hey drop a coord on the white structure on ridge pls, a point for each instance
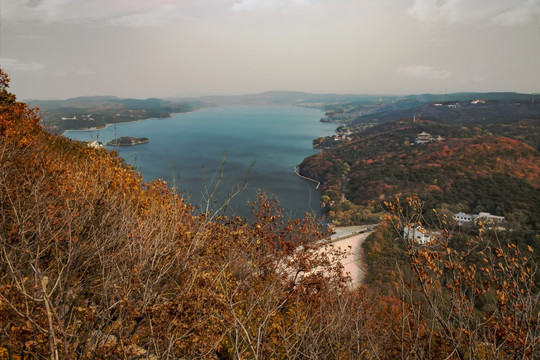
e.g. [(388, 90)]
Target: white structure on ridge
[(424, 138), (462, 218)]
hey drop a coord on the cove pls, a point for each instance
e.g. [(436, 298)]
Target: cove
[(259, 143)]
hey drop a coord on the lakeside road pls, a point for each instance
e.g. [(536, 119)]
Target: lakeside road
[(295, 169), (350, 240)]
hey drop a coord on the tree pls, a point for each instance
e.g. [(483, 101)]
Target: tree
[(481, 301)]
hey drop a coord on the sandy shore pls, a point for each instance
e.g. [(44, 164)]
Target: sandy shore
[(348, 239)]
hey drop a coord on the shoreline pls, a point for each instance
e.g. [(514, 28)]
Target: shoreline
[(131, 121), (109, 124), (295, 169), (350, 239)]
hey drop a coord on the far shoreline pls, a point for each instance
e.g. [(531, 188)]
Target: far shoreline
[(133, 121), (123, 122), (172, 114)]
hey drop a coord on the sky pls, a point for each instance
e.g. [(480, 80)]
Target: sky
[(57, 49)]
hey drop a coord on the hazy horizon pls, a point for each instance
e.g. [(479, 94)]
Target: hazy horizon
[(179, 48), (202, 96)]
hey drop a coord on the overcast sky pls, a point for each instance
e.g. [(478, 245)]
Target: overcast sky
[(173, 48)]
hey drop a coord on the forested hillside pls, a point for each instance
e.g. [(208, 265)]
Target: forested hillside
[(96, 264), (463, 171), (460, 169), (500, 114), (99, 111)]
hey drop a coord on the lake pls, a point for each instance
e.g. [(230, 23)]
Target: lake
[(259, 143)]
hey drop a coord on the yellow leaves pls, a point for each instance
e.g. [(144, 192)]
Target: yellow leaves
[(4, 354), (485, 270), (502, 297)]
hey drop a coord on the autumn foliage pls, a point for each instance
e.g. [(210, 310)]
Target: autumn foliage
[(466, 171), (478, 302), (95, 264)]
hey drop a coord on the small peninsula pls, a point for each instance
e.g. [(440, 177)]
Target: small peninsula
[(127, 141)]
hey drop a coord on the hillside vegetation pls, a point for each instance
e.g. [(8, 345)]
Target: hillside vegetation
[(465, 171), (96, 264), (492, 114)]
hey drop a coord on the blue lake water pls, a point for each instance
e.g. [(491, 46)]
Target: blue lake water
[(260, 143)]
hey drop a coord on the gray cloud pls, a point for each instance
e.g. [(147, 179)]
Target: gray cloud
[(8, 64), (34, 3), (29, 37), (518, 15), (264, 5), (133, 13), (498, 12), (424, 72), (86, 72), (159, 17)]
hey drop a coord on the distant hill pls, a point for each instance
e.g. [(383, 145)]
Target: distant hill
[(458, 113), (98, 111), (81, 101), (289, 98), (469, 96), (504, 114)]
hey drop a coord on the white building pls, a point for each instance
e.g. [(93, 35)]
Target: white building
[(417, 234), (95, 144), (462, 218), (423, 138), (485, 216)]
